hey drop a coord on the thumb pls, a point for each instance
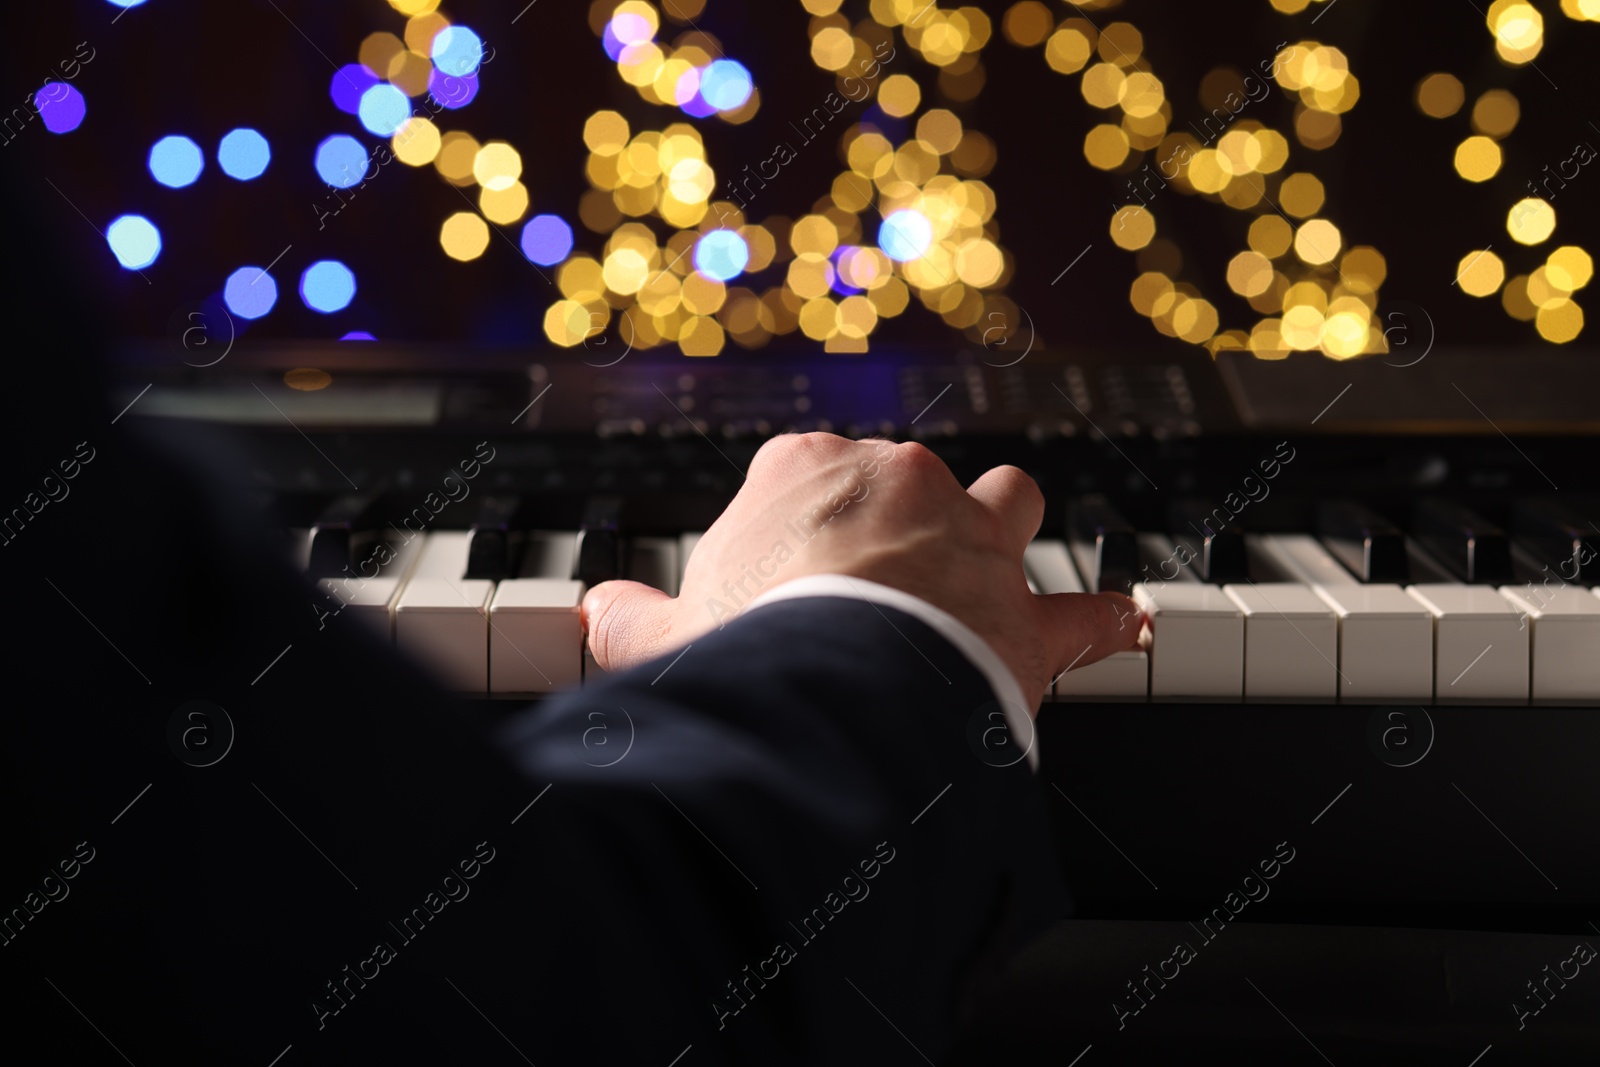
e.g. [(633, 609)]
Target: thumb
[(1083, 628), (627, 623)]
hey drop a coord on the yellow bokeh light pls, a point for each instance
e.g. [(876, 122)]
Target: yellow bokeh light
[(1363, 269), (1102, 84), (379, 50), (833, 48), (940, 130), (1271, 236), (1302, 328), (1496, 114), (1106, 147), (1067, 51), (899, 95), (421, 30), (1514, 298), (414, 7), (504, 206), (1478, 159), (1542, 292), (416, 144), (464, 236), (1250, 274), (1480, 273), (1344, 335), (625, 271), (1141, 95), (605, 133), (691, 181), (1147, 291), (1518, 29), (1028, 23), (1301, 195), (1440, 95), (1561, 322), (497, 166), (1570, 267), (1318, 242), (567, 323), (1531, 221), (1132, 228), (979, 262), (814, 234), (457, 153), (1121, 43)]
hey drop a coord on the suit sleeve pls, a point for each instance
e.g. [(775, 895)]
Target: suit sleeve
[(810, 836)]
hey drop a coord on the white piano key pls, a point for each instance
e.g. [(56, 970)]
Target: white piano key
[(374, 600), (1564, 627), (1049, 565), (1121, 676), (549, 554), (1296, 558), (444, 555), (1197, 641), (299, 547), (653, 561), (536, 630), (1385, 643), (1291, 642), (535, 635), (1480, 645), (443, 623), (686, 545)]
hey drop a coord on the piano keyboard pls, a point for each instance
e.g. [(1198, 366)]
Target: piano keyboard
[(1359, 611)]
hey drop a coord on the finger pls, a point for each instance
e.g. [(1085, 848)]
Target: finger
[(627, 622), (1082, 628), (1014, 498)]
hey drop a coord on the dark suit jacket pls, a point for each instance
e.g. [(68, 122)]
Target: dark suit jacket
[(793, 844)]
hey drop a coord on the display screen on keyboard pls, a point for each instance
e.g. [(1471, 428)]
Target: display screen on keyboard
[(714, 177)]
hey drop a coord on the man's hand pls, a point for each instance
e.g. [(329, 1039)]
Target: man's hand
[(893, 514)]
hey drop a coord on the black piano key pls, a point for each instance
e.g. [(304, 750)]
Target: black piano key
[(1109, 539), (343, 529), (1218, 551), (599, 555), (1558, 536), (1471, 548), (1371, 547), (494, 542)]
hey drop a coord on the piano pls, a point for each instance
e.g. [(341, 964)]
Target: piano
[(1372, 599)]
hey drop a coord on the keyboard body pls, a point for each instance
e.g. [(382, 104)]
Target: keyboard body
[(1427, 809)]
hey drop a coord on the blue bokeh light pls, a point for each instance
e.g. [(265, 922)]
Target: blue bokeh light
[(244, 154), (327, 286), (384, 109), (721, 255), (134, 240), (726, 84), (358, 335), (349, 83), (905, 235), (458, 51), (450, 91), (60, 106), (250, 292), (124, 4), (546, 239), (176, 162), (341, 161)]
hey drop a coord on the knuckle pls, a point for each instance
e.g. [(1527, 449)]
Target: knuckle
[(917, 456)]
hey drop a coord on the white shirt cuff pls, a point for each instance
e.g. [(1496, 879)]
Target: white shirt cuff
[(978, 651)]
